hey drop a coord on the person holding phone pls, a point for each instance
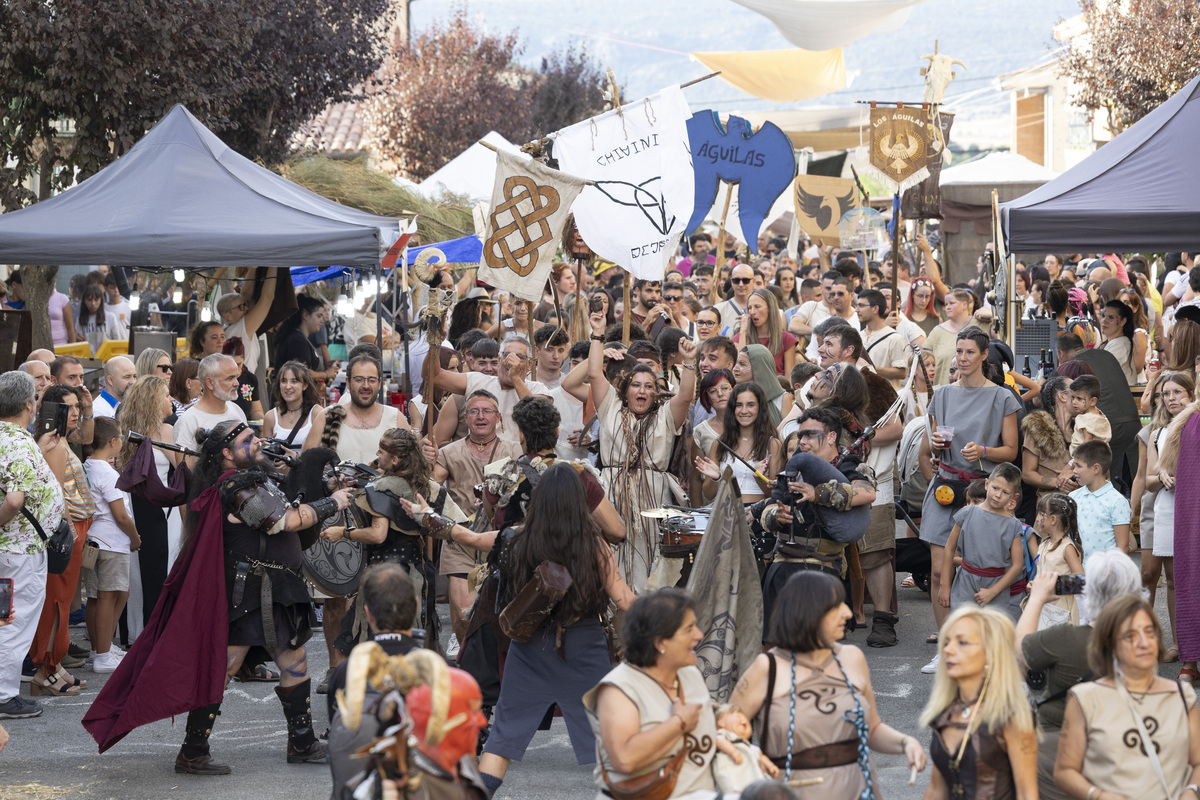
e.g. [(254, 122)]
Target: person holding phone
[(26, 481), (60, 416)]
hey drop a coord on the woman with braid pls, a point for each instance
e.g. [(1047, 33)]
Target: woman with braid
[(392, 535), (637, 436)]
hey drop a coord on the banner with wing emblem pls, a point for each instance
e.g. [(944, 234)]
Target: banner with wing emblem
[(820, 202), (529, 208), (900, 146)]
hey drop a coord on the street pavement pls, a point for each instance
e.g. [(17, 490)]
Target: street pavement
[(53, 750)]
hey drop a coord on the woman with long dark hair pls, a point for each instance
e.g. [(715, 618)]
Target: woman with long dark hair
[(716, 390), (94, 325), (637, 437), (747, 430), (297, 416), (1117, 329), (291, 342), (807, 665), (785, 279), (974, 428), (568, 654)]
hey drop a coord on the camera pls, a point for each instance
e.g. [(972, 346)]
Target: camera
[(1069, 584)]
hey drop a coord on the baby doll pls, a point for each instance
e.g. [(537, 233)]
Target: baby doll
[(737, 763)]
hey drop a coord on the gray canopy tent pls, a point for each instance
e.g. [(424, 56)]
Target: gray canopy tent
[(180, 197), (1138, 193)]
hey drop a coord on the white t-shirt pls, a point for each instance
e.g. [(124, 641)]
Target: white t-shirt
[(119, 316), (362, 326), (570, 412), (103, 483), (249, 342), (194, 419), (102, 408), (507, 397), (887, 349), (821, 314)]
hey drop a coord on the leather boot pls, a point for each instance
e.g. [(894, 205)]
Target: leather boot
[(303, 745), (883, 630), (194, 757)]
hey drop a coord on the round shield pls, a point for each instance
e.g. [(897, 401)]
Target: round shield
[(334, 567)]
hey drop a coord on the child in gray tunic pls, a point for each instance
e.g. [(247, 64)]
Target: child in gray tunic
[(988, 537)]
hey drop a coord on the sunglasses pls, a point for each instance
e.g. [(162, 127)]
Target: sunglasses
[(674, 298), (741, 281), (165, 368)]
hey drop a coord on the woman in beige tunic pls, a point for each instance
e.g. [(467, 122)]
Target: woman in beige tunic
[(815, 708), (637, 435), (655, 702), (1101, 755)]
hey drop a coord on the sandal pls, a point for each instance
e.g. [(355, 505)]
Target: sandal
[(261, 673), (1172, 655), (931, 639), (70, 680), (52, 686), (1189, 675), (908, 583)]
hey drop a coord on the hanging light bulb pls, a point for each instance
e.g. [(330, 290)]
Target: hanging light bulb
[(180, 276), (344, 307), (177, 296), (135, 300), (206, 314)]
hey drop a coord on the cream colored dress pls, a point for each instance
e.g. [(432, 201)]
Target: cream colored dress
[(636, 479), (1115, 759), (654, 707)]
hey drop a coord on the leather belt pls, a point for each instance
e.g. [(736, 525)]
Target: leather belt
[(835, 754)]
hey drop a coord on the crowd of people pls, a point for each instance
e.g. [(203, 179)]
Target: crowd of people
[(836, 397)]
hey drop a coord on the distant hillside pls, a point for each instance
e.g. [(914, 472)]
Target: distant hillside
[(646, 43)]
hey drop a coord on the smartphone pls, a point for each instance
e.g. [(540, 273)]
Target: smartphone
[(1069, 584), (6, 598), (53, 417)]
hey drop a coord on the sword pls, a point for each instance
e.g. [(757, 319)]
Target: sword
[(750, 466)]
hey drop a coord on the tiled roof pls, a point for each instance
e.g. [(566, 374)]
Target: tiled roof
[(338, 130)]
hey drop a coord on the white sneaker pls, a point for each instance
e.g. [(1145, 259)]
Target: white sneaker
[(106, 662), (931, 667), (452, 647)]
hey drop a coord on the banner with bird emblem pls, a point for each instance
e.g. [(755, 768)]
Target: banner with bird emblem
[(900, 146), (529, 208), (821, 201)]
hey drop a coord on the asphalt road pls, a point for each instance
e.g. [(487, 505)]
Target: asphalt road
[(54, 750)]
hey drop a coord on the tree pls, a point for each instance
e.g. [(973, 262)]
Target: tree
[(307, 55), (567, 91), (1134, 56), (435, 98), (83, 81)]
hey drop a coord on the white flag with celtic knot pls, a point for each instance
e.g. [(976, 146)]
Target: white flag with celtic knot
[(530, 204), (645, 184)]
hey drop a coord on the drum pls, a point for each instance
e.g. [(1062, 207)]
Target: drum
[(681, 533), (334, 567)]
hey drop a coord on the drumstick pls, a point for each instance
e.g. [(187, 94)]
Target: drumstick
[(797, 782), (750, 466), (912, 775)]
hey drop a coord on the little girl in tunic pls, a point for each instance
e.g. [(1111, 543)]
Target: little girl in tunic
[(1060, 551), (990, 540)]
